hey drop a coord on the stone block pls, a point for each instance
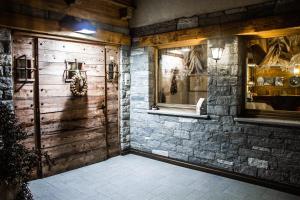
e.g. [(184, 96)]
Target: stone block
[(5, 60), (225, 162), (171, 125), (5, 34), (178, 156), (8, 95), (254, 162), (273, 175), (184, 150), (248, 170), (168, 146), (205, 154), (160, 152), (188, 22), (153, 144), (261, 148), (221, 110), (5, 83)]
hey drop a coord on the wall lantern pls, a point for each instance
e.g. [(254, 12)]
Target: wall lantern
[(78, 25), (216, 51)]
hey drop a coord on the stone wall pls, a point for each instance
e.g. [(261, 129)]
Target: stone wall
[(262, 151), (6, 84), (124, 98)]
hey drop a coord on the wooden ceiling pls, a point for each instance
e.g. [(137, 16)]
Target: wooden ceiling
[(104, 11)]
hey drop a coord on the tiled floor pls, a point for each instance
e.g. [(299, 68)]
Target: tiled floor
[(137, 178)]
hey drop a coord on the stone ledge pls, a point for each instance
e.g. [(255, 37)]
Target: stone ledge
[(177, 114), (268, 121)]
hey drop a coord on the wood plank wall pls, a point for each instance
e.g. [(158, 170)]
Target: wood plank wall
[(73, 131)]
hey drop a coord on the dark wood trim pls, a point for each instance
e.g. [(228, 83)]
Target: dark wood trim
[(276, 114), (243, 59), (277, 25), (37, 124), (105, 105), (220, 172), (59, 38)]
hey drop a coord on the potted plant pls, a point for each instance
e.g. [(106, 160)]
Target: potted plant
[(16, 161)]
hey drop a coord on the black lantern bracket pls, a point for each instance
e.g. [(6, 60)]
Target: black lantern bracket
[(73, 68)]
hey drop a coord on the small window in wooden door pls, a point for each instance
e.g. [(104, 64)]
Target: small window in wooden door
[(24, 69)]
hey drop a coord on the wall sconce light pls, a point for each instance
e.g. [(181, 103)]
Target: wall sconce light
[(216, 51), (78, 25)]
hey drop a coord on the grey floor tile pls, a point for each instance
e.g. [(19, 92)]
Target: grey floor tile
[(133, 177)]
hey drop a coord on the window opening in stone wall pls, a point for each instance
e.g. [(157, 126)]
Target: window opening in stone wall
[(182, 75), (273, 74)]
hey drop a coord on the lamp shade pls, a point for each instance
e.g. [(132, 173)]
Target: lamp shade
[(216, 52)]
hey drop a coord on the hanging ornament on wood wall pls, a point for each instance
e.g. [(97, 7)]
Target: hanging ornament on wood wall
[(78, 85)]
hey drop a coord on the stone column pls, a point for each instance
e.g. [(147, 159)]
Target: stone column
[(124, 98), (142, 94), (225, 79), (6, 83)]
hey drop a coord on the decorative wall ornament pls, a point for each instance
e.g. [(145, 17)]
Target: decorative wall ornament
[(173, 88), (278, 53), (194, 60), (78, 85), (294, 81)]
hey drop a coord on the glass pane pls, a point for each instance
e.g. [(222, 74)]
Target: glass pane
[(182, 75), (273, 79)]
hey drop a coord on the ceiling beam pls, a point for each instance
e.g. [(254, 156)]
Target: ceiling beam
[(120, 3), (52, 27), (262, 27), (92, 10)]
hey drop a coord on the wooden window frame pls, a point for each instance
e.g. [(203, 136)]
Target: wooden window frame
[(175, 107), (256, 113)]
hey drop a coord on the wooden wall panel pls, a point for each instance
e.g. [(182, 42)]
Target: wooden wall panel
[(112, 107), (73, 130), (23, 92), (82, 120)]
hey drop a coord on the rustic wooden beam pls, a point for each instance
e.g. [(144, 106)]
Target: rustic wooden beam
[(262, 27), (120, 3), (52, 27), (93, 9)]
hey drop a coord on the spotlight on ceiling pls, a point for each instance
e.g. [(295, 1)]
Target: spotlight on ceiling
[(78, 25), (85, 27)]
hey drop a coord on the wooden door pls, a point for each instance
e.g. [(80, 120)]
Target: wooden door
[(75, 130)]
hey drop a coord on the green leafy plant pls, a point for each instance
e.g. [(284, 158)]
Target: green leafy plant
[(17, 162)]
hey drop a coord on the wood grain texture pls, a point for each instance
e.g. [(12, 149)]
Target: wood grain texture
[(72, 128), (97, 10), (53, 28), (262, 27)]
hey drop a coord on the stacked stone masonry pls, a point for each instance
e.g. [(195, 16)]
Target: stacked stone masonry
[(124, 97), (262, 151), (6, 84)]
